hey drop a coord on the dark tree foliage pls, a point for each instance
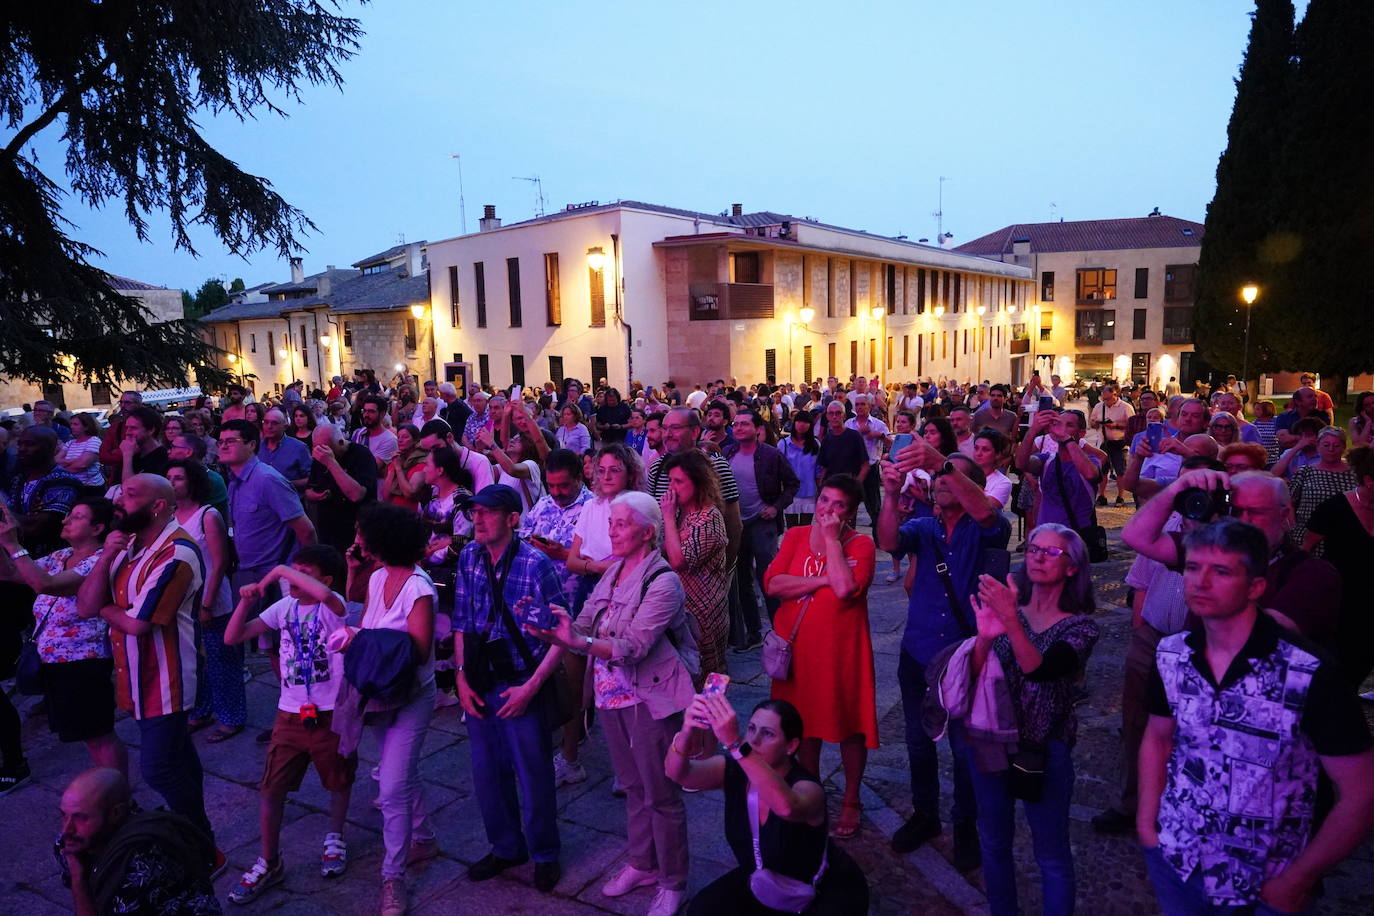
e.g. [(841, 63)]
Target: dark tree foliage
[(209, 297), (1238, 246), (1330, 159), (1294, 208), (124, 80)]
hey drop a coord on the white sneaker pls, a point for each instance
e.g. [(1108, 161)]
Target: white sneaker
[(394, 897), (334, 857), (565, 773), (256, 880), (626, 880), (666, 902)]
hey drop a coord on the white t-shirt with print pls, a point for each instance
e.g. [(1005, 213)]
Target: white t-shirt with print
[(312, 625)]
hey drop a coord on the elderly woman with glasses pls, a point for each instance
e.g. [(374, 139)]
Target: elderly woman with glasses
[(1035, 632), (1313, 484), (633, 628), (1224, 428)]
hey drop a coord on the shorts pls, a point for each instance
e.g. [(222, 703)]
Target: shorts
[(293, 748), (80, 697)]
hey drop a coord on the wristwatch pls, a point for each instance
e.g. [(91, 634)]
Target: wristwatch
[(587, 642), (739, 749), (21, 552)]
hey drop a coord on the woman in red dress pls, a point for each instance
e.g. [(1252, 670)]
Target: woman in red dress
[(823, 570)]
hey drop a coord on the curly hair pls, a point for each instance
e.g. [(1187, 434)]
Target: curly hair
[(697, 467)]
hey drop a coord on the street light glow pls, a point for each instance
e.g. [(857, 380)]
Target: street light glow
[(417, 311), (326, 341), (806, 313), (1249, 292), (878, 312), (596, 258), (981, 310), (939, 311)]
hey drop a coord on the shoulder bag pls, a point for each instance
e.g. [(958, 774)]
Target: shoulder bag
[(1093, 535), (777, 651), (780, 892), (28, 668)]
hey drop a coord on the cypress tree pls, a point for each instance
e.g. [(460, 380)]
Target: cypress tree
[(1329, 174), (1240, 244)]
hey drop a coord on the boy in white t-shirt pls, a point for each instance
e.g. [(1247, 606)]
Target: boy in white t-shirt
[(310, 676)]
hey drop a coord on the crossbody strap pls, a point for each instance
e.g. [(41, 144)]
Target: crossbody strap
[(497, 584), (754, 831), (942, 568)]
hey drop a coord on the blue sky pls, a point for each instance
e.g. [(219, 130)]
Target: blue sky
[(845, 112)]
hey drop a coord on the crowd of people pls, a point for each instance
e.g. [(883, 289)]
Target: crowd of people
[(550, 563)]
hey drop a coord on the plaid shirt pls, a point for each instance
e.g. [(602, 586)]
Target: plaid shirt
[(531, 573)]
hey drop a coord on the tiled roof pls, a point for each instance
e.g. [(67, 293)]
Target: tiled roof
[(311, 283), (381, 257), (380, 292), (118, 282), (1091, 235), (244, 311)]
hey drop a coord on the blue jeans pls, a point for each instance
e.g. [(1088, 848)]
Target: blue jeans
[(1049, 824), (758, 545), (507, 753), (400, 794), (922, 757), (170, 765), (1177, 897)]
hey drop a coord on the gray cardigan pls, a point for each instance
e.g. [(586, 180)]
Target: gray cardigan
[(638, 633)]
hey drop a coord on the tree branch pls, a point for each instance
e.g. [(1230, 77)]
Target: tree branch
[(27, 132)]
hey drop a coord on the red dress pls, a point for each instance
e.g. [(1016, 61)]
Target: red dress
[(832, 683)]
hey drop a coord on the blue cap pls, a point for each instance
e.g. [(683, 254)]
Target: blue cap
[(498, 496)]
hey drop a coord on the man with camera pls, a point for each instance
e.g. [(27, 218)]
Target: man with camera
[(1067, 473), (1302, 592), (500, 672)]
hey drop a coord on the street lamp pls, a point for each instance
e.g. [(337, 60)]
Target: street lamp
[(326, 341), (417, 311), (806, 314), (1248, 293), (596, 257)]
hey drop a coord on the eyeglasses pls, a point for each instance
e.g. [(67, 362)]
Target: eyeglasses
[(231, 440), (1236, 467), (1035, 550), (606, 472)]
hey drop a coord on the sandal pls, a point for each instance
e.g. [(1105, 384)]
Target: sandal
[(224, 733), (843, 830), (197, 724)]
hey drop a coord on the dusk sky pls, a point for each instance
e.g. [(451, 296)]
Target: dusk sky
[(848, 113)]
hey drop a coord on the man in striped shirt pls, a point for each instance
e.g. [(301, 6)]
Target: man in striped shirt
[(147, 587)]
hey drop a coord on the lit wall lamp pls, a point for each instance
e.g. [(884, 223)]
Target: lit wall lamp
[(283, 353), (981, 310), (878, 312), (400, 367), (417, 311), (939, 311), (326, 341), (806, 314), (596, 258), (232, 359)]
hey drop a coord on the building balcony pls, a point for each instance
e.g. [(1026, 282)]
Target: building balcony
[(1020, 346), (1183, 335), (732, 300)]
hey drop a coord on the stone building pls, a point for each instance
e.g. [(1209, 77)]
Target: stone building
[(1114, 297), (632, 290), (162, 303)]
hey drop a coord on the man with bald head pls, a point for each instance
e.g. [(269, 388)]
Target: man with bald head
[(147, 586), (118, 859), (284, 454), (343, 477)]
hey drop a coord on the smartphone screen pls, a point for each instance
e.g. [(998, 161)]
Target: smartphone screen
[(1154, 434), (899, 442), (997, 563), (1046, 402)]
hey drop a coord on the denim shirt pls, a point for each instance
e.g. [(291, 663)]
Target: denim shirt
[(930, 623)]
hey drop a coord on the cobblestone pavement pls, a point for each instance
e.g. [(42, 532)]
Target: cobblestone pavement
[(1111, 878)]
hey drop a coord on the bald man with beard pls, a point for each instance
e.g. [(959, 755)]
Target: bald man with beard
[(147, 586), (118, 859)]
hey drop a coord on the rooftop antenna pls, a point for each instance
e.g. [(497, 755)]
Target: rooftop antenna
[(538, 191), (1054, 211), (462, 204), (400, 238), (939, 214)]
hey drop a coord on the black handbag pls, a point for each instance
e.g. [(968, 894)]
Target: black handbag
[(28, 668)]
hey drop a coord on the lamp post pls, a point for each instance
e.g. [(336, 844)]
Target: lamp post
[(1248, 293)]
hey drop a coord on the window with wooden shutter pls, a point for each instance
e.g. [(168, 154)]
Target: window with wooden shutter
[(556, 370), (553, 303), (513, 289), (1179, 280), (853, 357), (920, 291), (1138, 324), (598, 371), (1142, 282), (892, 289), (770, 365), (454, 316), (347, 335), (830, 360), (806, 363), (517, 369), (483, 369), (479, 280), (271, 351), (412, 335), (305, 349), (1047, 286), (597, 279)]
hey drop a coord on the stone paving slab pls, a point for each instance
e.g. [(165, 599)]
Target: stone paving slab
[(1111, 877)]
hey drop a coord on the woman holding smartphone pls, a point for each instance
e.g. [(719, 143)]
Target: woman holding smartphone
[(633, 628), (775, 816)]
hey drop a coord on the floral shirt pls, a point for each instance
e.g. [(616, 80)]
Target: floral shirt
[(612, 687), (67, 637), (557, 523)]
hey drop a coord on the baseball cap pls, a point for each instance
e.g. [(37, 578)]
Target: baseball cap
[(497, 496)]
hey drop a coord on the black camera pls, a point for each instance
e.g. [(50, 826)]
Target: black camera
[(1199, 505)]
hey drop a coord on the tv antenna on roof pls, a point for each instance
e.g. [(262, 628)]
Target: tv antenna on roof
[(538, 191), (462, 204), (939, 213)]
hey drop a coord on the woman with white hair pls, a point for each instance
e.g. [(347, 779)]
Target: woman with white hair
[(634, 629), (1038, 627)]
